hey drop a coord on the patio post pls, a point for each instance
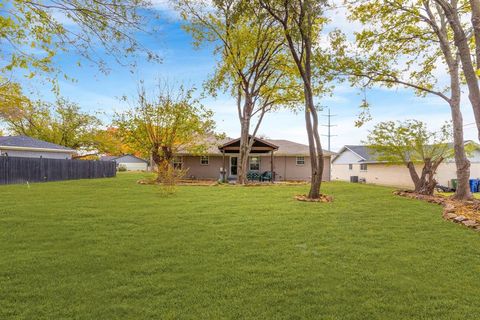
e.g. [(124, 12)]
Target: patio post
[(223, 169), (271, 166)]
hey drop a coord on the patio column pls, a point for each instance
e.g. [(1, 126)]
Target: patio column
[(271, 166), (224, 170)]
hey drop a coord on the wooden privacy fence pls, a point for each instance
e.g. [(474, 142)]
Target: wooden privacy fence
[(21, 170)]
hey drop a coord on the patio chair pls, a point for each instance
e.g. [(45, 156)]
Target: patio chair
[(253, 176), (266, 176)]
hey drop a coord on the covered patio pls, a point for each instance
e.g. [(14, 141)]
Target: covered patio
[(231, 149)]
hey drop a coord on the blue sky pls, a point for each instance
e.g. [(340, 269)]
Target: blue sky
[(97, 92)]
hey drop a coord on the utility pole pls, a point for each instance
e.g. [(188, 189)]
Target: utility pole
[(329, 125)]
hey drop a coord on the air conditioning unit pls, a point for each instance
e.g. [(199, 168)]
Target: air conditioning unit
[(354, 179)]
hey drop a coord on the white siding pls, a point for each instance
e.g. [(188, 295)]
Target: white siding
[(134, 166), (132, 163), (347, 157), (129, 159), (474, 157)]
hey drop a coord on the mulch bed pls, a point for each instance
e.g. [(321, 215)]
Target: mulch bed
[(464, 212), (182, 182), (323, 198)]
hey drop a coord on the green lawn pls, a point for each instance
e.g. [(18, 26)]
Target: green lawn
[(113, 249)]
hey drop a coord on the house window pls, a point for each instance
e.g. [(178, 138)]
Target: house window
[(300, 161), (363, 167), (350, 166), (177, 163), (204, 161), (254, 163)]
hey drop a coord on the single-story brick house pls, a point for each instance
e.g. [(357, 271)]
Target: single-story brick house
[(289, 160), (356, 163), (129, 161), (27, 147)]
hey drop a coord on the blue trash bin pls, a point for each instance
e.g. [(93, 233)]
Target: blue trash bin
[(473, 185)]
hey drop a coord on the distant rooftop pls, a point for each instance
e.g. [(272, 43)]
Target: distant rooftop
[(28, 142), (363, 151), (367, 154)]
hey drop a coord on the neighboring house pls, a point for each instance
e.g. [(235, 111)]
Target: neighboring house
[(129, 161), (289, 160), (356, 163), (23, 146)]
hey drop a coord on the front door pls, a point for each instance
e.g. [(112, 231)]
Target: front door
[(233, 166)]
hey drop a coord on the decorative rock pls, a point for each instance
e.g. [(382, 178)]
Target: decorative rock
[(449, 208), (470, 223), (449, 215), (465, 212), (459, 219), (323, 198)]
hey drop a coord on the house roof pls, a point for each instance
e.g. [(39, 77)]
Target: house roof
[(108, 158), (113, 158), (285, 147), (27, 143), (362, 151), (367, 155), (290, 148)]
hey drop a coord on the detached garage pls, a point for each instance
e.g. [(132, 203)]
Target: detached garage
[(128, 161)]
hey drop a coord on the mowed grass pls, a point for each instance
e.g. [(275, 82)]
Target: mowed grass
[(113, 249)]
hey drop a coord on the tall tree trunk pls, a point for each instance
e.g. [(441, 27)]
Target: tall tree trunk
[(462, 43), (475, 5), (311, 116), (461, 161), (315, 148), (242, 165), (302, 57)]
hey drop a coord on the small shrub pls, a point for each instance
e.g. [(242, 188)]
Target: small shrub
[(168, 177)]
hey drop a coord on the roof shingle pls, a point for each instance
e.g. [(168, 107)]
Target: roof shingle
[(28, 142)]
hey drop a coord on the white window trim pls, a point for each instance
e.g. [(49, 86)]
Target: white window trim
[(350, 166), (250, 164), (180, 161), (366, 166), (300, 164), (204, 157)]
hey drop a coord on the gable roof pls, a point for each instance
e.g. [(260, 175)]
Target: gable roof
[(114, 158), (259, 145), (28, 143), (362, 151)]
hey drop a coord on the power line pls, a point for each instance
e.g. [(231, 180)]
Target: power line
[(329, 126)]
